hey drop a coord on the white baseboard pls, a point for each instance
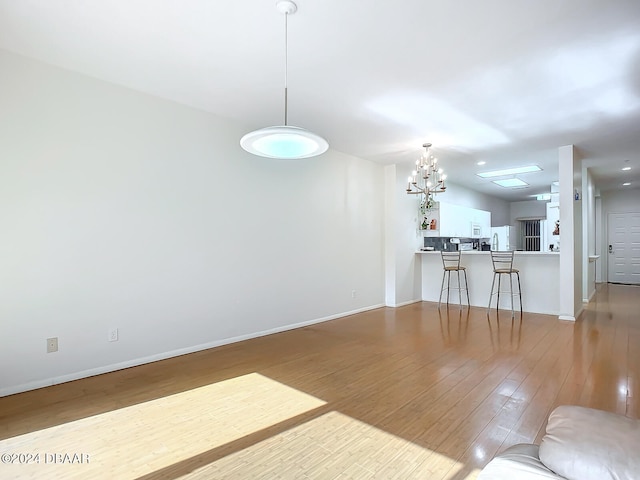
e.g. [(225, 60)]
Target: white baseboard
[(567, 317), (173, 353), (402, 304)]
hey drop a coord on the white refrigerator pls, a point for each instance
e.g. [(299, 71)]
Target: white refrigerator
[(503, 238)]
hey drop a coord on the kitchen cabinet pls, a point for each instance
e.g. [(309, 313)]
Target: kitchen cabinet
[(481, 223), (458, 221)]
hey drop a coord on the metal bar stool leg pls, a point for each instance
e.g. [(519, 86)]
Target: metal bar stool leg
[(441, 289), (519, 292), (466, 287), (491, 294), (511, 292), (459, 290), (498, 292)]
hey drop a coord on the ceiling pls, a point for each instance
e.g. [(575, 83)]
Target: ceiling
[(502, 81)]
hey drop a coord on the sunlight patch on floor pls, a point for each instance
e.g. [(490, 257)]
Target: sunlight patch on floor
[(333, 446), (143, 438)]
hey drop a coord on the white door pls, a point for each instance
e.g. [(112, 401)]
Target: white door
[(624, 248)]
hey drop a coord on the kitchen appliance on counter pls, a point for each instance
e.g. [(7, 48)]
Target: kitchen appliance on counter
[(451, 244)]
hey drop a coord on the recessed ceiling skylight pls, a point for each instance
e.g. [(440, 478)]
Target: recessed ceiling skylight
[(626, 184), (626, 169), (509, 171), (510, 182), (481, 162)]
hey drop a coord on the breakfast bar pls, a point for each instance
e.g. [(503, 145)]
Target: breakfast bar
[(539, 276)]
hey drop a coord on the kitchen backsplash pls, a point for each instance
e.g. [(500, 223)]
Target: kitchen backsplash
[(444, 244)]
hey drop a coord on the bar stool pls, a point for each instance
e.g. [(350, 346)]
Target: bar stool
[(451, 263), (503, 265)]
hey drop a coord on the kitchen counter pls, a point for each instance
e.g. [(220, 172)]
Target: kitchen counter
[(539, 276), (478, 252)]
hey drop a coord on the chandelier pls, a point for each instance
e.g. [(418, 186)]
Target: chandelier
[(427, 179)]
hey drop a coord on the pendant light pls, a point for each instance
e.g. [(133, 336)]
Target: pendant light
[(284, 141)]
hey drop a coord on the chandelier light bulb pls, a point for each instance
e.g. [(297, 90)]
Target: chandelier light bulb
[(431, 178)]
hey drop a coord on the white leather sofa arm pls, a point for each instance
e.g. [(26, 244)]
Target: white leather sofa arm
[(587, 444), (519, 462)]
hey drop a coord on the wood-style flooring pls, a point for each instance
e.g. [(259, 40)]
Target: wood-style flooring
[(402, 393)]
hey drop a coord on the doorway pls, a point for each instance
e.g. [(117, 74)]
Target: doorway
[(624, 248)]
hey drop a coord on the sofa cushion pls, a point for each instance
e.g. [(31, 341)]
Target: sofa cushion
[(517, 462), (586, 444)]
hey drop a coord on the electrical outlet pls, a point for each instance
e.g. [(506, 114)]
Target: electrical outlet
[(353, 294), (113, 335), (52, 344)]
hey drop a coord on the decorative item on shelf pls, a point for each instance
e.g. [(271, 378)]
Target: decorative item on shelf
[(425, 224), (427, 179), (556, 230), (433, 225), (284, 141)]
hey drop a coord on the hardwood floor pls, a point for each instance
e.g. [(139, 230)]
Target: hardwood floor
[(390, 393)]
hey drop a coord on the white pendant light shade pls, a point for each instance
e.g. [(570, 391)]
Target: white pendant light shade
[(285, 142)]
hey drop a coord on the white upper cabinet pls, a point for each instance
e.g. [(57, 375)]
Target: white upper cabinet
[(459, 221), (481, 224)]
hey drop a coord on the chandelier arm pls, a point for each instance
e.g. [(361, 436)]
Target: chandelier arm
[(420, 179)]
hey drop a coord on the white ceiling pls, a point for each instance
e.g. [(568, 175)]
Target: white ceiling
[(504, 81)]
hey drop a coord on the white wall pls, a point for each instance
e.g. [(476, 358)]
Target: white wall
[(570, 178), (599, 240), (402, 240), (615, 201), (588, 235), (621, 201), (578, 252), (390, 234), (122, 210), (527, 210)]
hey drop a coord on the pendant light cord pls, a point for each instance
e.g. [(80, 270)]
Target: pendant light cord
[(286, 65)]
